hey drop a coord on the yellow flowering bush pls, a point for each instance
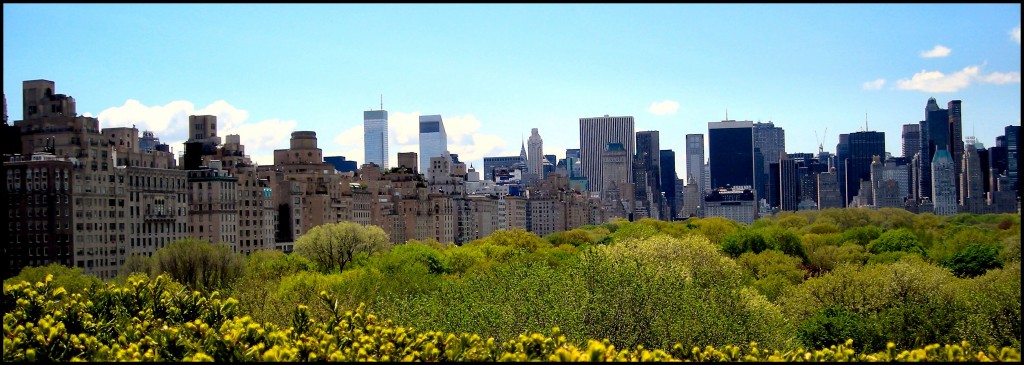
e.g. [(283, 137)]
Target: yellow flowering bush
[(156, 320)]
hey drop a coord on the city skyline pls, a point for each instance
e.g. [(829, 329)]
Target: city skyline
[(522, 67)]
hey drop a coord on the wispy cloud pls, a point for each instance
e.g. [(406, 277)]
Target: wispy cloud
[(663, 107), (1015, 34), (874, 85), (937, 52), (936, 81)]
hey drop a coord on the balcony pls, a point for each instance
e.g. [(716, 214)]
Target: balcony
[(158, 215)]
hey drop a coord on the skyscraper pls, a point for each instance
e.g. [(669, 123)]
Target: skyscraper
[(595, 135), (695, 161), (855, 153), (956, 140), (731, 146), (972, 189), (535, 159), (934, 135), (647, 174), (911, 140), (943, 183), (433, 141), (829, 195), (668, 182), (1012, 138), (789, 184), (771, 141), (375, 137)]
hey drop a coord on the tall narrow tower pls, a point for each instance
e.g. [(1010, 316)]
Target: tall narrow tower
[(375, 137), (535, 159)]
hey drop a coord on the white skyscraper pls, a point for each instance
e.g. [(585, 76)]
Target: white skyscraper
[(695, 160), (433, 141), (375, 137), (535, 160)]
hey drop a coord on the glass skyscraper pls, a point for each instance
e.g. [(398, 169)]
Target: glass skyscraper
[(433, 141), (731, 147), (375, 137)]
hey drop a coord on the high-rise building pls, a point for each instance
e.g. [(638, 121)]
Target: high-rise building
[(647, 175), (771, 142), (789, 184), (943, 183), (668, 182), (595, 135), (829, 195), (1012, 138), (535, 158), (911, 140), (855, 153), (956, 140), (731, 147), (375, 137), (433, 141), (695, 161), (972, 189), (934, 135), (615, 179)]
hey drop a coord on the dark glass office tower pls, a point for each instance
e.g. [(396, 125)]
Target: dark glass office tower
[(934, 135), (647, 173), (855, 156), (731, 149), (668, 181), (1012, 138)]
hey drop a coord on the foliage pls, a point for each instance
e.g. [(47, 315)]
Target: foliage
[(332, 246), (515, 238), (70, 278), (771, 271), (146, 320), (896, 240), (197, 264), (974, 260)]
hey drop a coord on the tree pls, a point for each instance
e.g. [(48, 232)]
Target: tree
[(200, 265), (896, 240), (332, 246), (974, 260)]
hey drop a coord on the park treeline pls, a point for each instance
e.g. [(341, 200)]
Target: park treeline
[(887, 279)]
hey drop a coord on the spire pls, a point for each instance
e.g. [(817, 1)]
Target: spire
[(522, 153)]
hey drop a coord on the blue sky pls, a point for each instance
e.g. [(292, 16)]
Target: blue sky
[(493, 71)]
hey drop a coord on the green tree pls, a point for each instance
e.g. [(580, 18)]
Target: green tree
[(200, 265), (974, 260), (896, 240), (332, 246), (833, 326)]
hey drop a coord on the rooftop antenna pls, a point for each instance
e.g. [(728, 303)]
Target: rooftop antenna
[(865, 121), (726, 113), (381, 101)]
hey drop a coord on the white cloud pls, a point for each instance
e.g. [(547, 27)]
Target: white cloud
[(874, 85), (663, 107), (936, 81), (1000, 78), (162, 120), (1015, 34), (170, 123), (937, 52), (262, 138)]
